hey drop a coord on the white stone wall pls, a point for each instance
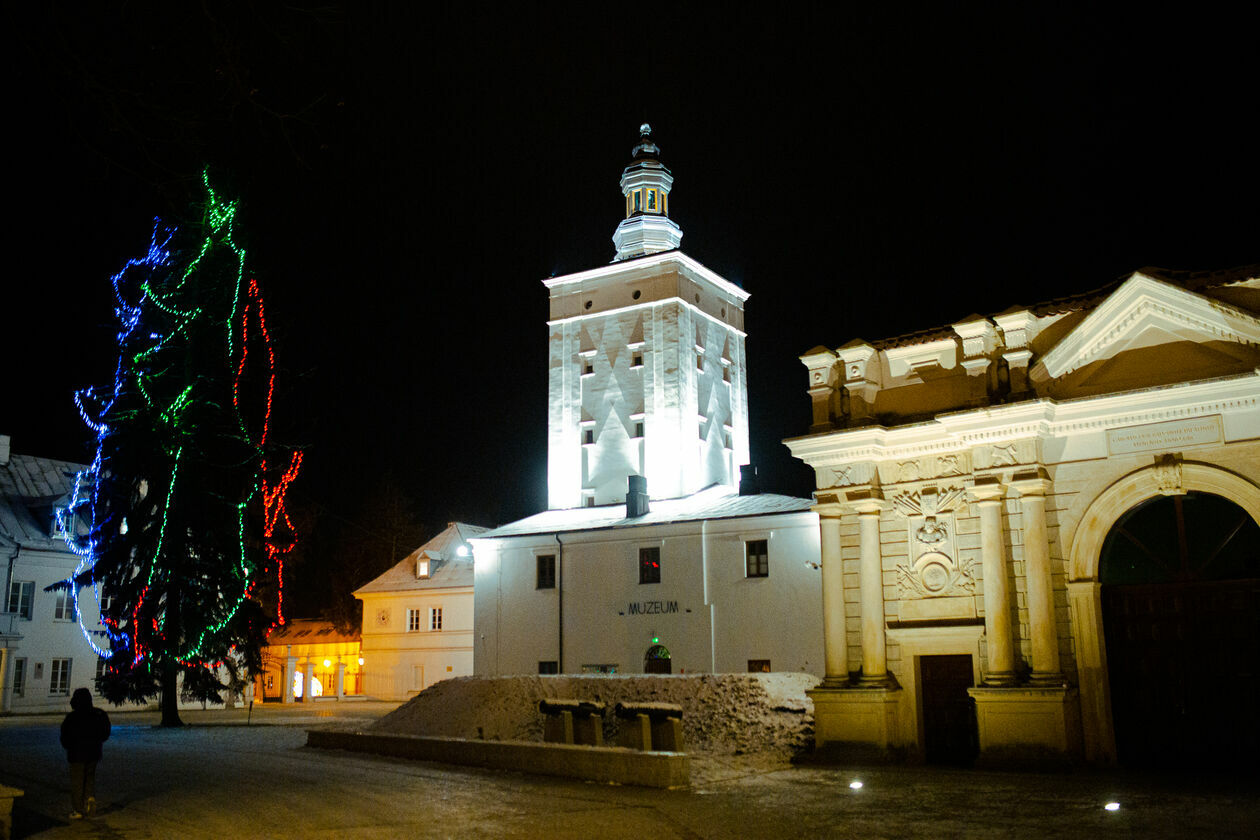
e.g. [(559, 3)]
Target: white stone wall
[(391, 653), (705, 610), (695, 418)]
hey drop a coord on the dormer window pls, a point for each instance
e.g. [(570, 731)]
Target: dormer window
[(422, 568)]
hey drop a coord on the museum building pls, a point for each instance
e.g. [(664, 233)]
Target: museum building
[(1039, 529), (652, 556)]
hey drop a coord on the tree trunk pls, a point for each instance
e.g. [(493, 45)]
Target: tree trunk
[(170, 694)]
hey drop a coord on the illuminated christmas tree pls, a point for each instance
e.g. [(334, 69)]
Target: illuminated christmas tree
[(183, 531)]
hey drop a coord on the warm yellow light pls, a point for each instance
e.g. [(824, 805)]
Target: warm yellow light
[(360, 660), (327, 663)]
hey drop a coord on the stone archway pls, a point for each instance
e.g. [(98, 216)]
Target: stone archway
[(1085, 587)]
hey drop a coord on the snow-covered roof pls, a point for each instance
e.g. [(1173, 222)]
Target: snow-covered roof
[(309, 631), (717, 502), (30, 485), (447, 566)]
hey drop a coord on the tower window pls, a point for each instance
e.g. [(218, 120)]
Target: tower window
[(651, 199), (757, 558), (638, 200), (637, 361), (638, 428), (650, 565), (587, 368), (588, 436), (699, 361), (546, 571)]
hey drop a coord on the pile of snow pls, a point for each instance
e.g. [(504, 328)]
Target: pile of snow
[(723, 714)]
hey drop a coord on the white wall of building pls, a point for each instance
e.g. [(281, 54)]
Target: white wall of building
[(399, 662), (706, 611)]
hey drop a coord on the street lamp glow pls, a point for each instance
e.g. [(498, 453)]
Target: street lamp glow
[(1112, 806), (855, 785)]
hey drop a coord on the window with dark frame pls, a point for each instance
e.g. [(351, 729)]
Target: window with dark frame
[(64, 609), (435, 618), (546, 571), (650, 565), (638, 428), (757, 556), (588, 436), (413, 621), (19, 676), (548, 666), (59, 678), (758, 666), (21, 595)]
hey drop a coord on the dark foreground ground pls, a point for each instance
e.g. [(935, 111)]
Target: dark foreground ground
[(219, 778)]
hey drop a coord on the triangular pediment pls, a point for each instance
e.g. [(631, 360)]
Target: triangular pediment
[(1144, 314)]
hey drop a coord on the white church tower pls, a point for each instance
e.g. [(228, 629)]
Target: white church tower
[(647, 368)]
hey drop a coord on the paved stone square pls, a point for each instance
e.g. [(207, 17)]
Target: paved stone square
[(220, 778)]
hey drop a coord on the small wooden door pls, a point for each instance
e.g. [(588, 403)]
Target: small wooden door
[(950, 735)]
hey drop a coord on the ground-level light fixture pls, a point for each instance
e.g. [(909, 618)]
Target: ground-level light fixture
[(1112, 806), (856, 784)]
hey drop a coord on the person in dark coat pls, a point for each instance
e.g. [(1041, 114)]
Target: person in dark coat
[(82, 733)]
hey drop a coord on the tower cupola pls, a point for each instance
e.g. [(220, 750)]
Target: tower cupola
[(646, 183)]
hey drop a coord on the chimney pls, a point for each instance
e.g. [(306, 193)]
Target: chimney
[(748, 483), (637, 497)]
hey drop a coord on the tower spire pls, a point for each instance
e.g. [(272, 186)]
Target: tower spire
[(646, 183)]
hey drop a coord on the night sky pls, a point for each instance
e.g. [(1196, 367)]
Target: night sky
[(409, 177)]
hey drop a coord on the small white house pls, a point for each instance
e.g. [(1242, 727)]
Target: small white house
[(418, 617), (44, 653)]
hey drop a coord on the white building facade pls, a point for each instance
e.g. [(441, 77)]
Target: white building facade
[(647, 435), (418, 618), (1039, 529), (44, 655)]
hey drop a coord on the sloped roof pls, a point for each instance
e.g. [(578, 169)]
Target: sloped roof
[(1193, 281), (309, 631), (28, 482), (716, 502), (446, 567)]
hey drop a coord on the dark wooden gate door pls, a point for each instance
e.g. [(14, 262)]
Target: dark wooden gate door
[(949, 714), (1181, 621)]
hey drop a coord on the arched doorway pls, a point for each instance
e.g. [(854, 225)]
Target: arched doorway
[(1180, 589), (657, 661)]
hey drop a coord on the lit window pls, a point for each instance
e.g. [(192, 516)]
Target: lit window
[(651, 199), (757, 557), (546, 571), (638, 200), (413, 621), (19, 677), (650, 565), (21, 594), (59, 678), (758, 666), (422, 568), (64, 609), (435, 618), (548, 666)]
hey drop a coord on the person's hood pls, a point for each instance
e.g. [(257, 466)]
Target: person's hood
[(81, 700)]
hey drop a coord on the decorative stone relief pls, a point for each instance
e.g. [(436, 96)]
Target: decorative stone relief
[(844, 475), (1168, 478), (1004, 454), (934, 575), (931, 466)]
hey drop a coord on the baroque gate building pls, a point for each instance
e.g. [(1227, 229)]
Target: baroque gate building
[(1039, 529)]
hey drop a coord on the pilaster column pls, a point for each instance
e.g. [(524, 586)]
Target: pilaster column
[(341, 679), (835, 642), (987, 496), (290, 670), (871, 582), (306, 681), (1032, 488)]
